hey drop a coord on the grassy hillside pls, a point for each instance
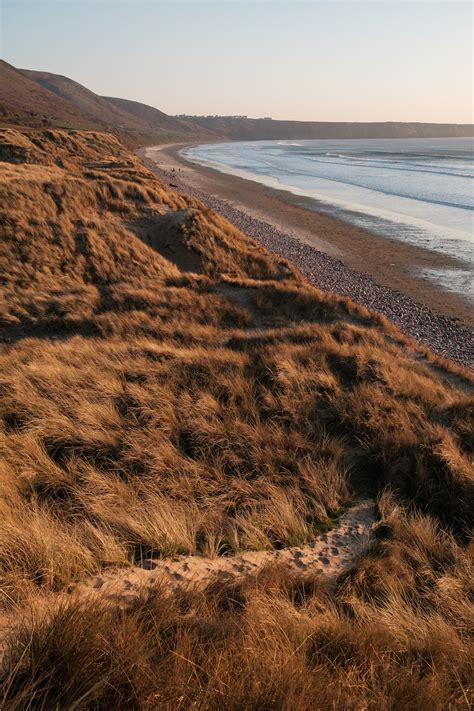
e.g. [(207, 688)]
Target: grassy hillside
[(39, 99), (150, 117), (170, 388), (81, 98), (23, 101), (124, 116)]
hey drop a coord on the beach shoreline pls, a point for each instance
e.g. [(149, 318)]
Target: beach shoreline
[(332, 254)]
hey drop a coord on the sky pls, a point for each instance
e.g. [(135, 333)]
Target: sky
[(314, 60)]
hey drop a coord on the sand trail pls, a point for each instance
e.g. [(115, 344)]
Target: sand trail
[(331, 554)]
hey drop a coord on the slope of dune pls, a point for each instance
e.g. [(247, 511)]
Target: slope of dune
[(170, 389)]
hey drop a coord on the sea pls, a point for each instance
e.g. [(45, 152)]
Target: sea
[(417, 190)]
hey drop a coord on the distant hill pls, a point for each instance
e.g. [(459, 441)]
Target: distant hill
[(111, 112), (42, 99), (149, 117), (39, 99), (24, 101), (84, 101), (247, 129)]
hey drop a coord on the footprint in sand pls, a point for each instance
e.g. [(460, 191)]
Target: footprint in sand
[(149, 564), (299, 563), (329, 554)]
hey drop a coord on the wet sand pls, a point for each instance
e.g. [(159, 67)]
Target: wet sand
[(376, 271), (391, 263)]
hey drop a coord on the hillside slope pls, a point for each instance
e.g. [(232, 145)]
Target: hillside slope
[(39, 99), (114, 113), (84, 101), (168, 388), (150, 117), (133, 122), (24, 101)]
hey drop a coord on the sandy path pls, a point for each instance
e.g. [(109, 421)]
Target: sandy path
[(330, 554)]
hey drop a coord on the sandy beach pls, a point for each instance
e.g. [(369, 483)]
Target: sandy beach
[(379, 272)]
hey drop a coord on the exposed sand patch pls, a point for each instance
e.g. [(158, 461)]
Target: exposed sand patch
[(164, 234), (330, 554)]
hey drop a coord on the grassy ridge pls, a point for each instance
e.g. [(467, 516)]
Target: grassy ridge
[(41, 99), (168, 386)]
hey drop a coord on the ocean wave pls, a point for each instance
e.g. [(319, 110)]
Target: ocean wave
[(409, 194), (391, 165)]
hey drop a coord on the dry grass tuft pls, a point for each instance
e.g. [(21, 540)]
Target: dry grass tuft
[(394, 634)]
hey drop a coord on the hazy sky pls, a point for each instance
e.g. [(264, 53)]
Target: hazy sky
[(328, 61)]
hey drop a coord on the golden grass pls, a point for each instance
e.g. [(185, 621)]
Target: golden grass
[(151, 409), (394, 634)]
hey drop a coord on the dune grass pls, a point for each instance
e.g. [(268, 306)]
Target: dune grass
[(393, 634), (169, 387)]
